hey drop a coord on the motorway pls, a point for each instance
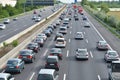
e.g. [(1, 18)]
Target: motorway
[(70, 69), (23, 22)]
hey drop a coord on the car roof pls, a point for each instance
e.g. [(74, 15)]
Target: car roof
[(46, 71), (3, 75), (16, 59)]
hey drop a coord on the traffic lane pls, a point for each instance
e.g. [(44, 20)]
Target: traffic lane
[(33, 68), (109, 37), (24, 23)]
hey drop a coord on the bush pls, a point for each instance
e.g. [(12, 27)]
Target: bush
[(112, 21), (14, 43)]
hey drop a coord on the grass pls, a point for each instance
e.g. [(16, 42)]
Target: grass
[(115, 14)]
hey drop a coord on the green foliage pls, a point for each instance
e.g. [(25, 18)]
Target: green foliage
[(5, 44), (92, 5), (104, 8), (84, 2), (14, 43)]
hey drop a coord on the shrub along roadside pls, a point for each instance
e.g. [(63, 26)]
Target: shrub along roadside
[(108, 21)]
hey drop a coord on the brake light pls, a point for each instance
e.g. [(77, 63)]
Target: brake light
[(17, 66), (46, 63), (60, 54), (29, 57), (20, 56), (51, 54), (56, 64)]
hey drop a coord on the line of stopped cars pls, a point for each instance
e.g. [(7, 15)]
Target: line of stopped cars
[(28, 55)]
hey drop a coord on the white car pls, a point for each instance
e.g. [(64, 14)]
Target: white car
[(6, 21), (60, 42), (87, 24), (63, 30), (2, 26), (79, 35), (6, 76), (58, 22), (37, 19), (42, 35), (81, 54)]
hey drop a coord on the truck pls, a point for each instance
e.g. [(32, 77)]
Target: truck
[(114, 70)]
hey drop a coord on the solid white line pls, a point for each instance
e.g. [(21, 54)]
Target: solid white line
[(99, 33), (70, 32), (32, 76), (86, 40), (91, 54), (69, 40), (64, 78), (67, 53), (45, 52), (99, 77)]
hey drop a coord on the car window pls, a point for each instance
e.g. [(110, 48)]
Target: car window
[(24, 52), (51, 60), (9, 77), (45, 77), (12, 62), (112, 53), (2, 79), (62, 29), (59, 40), (81, 52)]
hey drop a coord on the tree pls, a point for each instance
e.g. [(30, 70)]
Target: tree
[(84, 2), (104, 8)]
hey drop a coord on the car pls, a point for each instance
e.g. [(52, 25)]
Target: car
[(60, 43), (65, 25), (47, 33), (37, 19), (87, 24), (51, 26), (2, 26), (81, 54), (33, 46), (79, 35), (47, 74), (56, 52), (34, 17), (54, 25), (76, 18), (66, 21), (6, 21), (84, 17), (52, 63), (111, 55), (102, 45), (63, 30), (6, 76), (42, 35), (58, 22), (50, 29), (14, 65), (58, 35), (27, 55), (15, 19), (39, 40)]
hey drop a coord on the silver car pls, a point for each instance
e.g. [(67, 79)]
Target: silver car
[(102, 45), (2, 26), (111, 55), (37, 19), (81, 54), (6, 21), (6, 76), (87, 24), (79, 35)]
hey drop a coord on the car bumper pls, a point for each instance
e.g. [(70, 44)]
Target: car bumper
[(12, 70)]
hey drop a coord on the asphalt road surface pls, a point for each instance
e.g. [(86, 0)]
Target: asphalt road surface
[(93, 69), (23, 22)]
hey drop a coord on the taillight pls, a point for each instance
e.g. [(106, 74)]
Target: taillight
[(29, 57), (20, 56), (17, 66), (46, 63), (60, 54), (56, 64), (51, 54)]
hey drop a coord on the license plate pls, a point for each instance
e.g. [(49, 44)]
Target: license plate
[(24, 56), (11, 67), (51, 64)]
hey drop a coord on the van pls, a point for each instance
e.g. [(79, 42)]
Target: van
[(47, 74)]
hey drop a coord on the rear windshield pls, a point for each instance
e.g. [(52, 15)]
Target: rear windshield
[(2, 79), (13, 62), (59, 40), (45, 77), (62, 29), (24, 52), (51, 60)]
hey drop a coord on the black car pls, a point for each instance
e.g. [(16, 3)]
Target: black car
[(52, 63), (33, 46)]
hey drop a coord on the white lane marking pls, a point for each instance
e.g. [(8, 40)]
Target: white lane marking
[(45, 52), (99, 77), (64, 78), (91, 54), (86, 40), (32, 76), (70, 32), (67, 53), (69, 40), (99, 33)]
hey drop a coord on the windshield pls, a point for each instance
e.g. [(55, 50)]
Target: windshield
[(113, 53), (115, 67), (13, 62), (45, 77), (51, 60), (62, 29), (24, 52)]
